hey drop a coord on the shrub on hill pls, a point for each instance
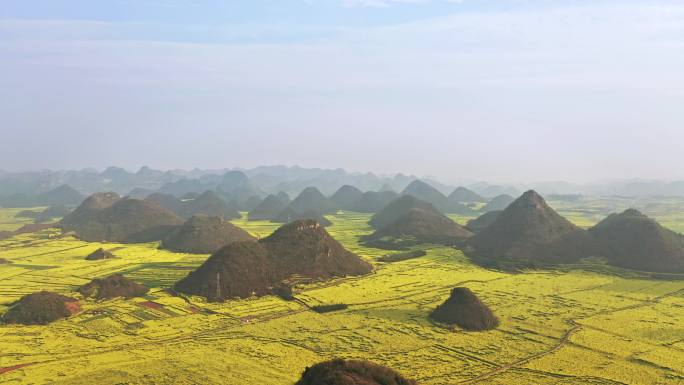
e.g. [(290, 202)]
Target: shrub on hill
[(420, 226), (106, 217), (351, 372), (41, 308), (530, 232), (204, 235), (99, 254), (243, 269), (284, 291), (329, 308), (633, 240), (112, 287), (465, 310)]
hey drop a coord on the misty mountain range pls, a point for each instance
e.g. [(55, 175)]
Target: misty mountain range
[(265, 180)]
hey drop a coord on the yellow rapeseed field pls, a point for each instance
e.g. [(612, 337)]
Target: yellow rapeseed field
[(566, 326)]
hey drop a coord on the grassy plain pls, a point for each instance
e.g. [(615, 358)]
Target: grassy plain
[(570, 326), (9, 221)]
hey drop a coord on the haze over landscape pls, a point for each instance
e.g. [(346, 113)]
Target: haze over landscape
[(341, 192), (582, 90)]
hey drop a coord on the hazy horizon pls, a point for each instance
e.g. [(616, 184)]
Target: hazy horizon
[(454, 181), (501, 91)]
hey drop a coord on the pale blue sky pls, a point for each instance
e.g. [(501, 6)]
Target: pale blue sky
[(507, 90)]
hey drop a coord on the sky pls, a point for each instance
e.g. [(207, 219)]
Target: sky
[(505, 90)]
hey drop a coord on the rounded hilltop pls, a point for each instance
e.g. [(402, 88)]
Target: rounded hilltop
[(374, 201), (269, 208), (107, 217), (397, 209), (352, 372), (465, 195), (167, 201), (464, 309), (289, 215), (99, 254), (529, 232), (346, 197), (311, 199), (41, 308), (242, 269), (203, 234), (634, 241), (419, 226), (111, 287), (209, 203)]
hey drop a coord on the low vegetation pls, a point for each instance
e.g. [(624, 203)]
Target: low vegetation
[(329, 308), (99, 255), (115, 285), (352, 372), (40, 309), (465, 310)]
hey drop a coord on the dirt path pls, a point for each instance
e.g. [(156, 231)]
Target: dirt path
[(564, 339), (174, 340)]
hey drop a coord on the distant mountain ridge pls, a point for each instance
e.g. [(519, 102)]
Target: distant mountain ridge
[(23, 189)]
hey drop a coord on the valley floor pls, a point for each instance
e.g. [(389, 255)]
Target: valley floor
[(570, 326)]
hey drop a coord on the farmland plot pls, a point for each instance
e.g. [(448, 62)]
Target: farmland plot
[(570, 326)]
